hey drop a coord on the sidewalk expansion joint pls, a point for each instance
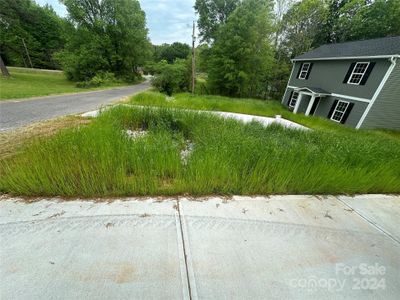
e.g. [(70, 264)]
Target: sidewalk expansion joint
[(372, 223), (185, 257)]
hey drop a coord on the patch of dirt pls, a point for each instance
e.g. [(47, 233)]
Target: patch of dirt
[(327, 215), (11, 141), (108, 225), (56, 215), (145, 215)]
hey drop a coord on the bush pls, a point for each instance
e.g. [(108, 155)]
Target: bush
[(99, 79), (171, 78)]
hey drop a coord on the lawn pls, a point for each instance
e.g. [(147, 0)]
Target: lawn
[(25, 83), (246, 106), (174, 152), (219, 103)]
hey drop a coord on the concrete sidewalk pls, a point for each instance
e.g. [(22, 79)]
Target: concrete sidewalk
[(286, 247)]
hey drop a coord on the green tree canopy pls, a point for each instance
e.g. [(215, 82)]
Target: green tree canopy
[(362, 20), (212, 14), (171, 52), (104, 36), (301, 26), (241, 55), (39, 27)]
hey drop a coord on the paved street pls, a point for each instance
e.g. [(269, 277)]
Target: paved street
[(16, 113), (279, 247)]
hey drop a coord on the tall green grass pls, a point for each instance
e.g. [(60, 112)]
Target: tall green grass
[(228, 158), (267, 108)]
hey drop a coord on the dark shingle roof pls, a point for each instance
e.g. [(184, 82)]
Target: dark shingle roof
[(381, 46)]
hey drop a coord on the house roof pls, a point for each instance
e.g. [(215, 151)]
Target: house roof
[(388, 46), (313, 90)]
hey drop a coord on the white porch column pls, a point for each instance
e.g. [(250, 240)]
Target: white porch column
[(310, 104), (297, 105)]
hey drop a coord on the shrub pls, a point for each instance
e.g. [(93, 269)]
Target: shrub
[(99, 79), (171, 78)]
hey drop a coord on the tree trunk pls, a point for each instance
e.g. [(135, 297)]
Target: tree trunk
[(3, 68)]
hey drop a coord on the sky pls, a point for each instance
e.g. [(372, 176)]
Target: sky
[(168, 21)]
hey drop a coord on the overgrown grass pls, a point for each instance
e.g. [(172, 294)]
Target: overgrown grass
[(25, 83), (266, 108), (228, 157)]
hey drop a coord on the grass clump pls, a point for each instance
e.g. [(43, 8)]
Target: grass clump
[(228, 157)]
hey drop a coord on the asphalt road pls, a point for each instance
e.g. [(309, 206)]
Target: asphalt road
[(278, 247), (17, 113)]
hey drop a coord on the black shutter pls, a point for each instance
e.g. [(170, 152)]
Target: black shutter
[(298, 73), (332, 108), (309, 70), (367, 72), (290, 97), (349, 72), (347, 112), (314, 107)]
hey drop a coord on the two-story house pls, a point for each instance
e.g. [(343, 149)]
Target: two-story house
[(353, 83)]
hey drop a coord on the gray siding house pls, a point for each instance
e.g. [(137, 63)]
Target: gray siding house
[(354, 83)]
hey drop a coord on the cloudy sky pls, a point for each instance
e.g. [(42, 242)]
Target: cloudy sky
[(168, 20)]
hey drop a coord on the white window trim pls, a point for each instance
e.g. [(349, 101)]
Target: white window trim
[(306, 71), (357, 73), (343, 113), (291, 99)]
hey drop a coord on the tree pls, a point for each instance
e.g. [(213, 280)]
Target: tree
[(349, 20), (331, 29), (171, 52), (39, 27), (241, 55), (4, 70), (301, 26), (172, 78), (360, 19), (213, 14), (104, 36)]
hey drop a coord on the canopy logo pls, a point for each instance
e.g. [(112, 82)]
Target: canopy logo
[(359, 277)]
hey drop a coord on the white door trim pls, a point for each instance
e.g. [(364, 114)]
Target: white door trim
[(339, 95)]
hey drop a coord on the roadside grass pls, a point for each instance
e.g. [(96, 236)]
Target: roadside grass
[(266, 108), (25, 83), (228, 157), (13, 141)]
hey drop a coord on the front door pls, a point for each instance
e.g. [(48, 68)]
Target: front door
[(315, 105)]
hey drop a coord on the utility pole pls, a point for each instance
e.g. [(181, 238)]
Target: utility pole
[(27, 53), (193, 59)]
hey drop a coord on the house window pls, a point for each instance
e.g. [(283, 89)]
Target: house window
[(339, 111), (358, 73), (305, 68), (293, 100)]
